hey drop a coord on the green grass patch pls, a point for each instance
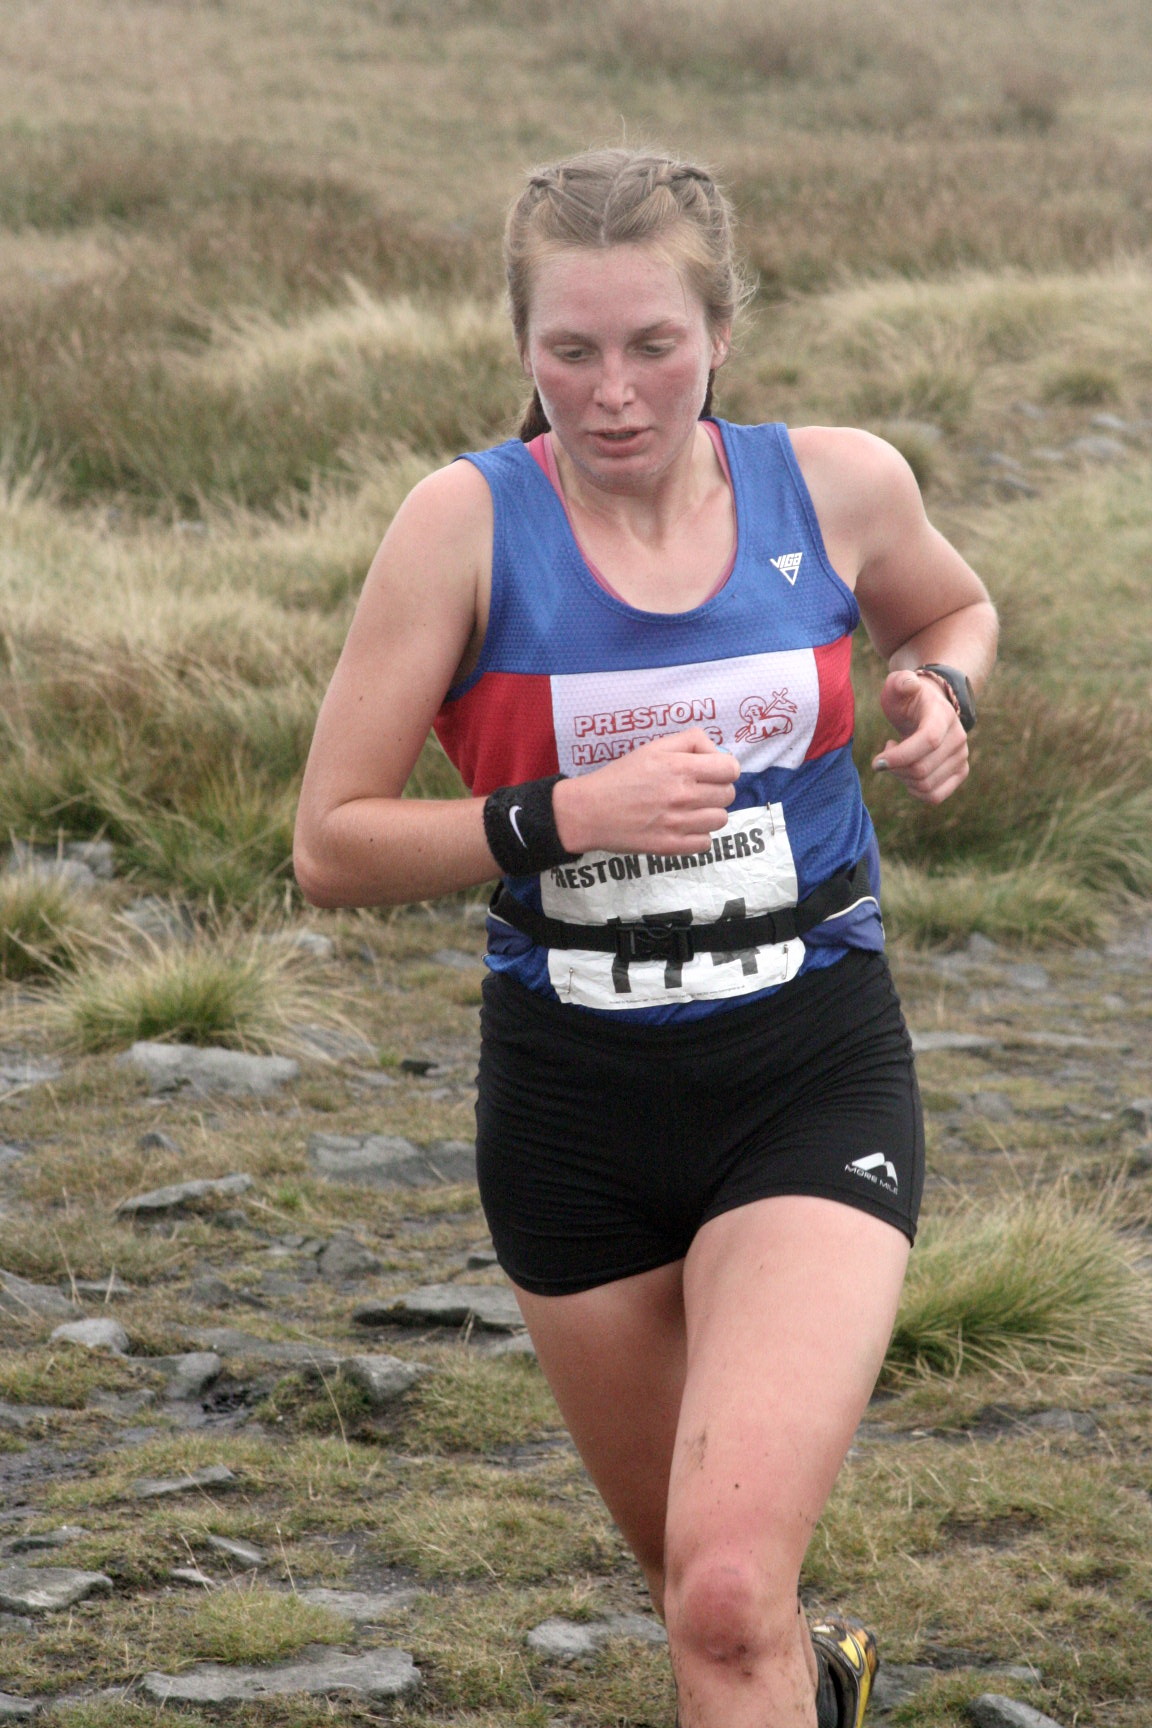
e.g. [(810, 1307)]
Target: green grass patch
[(1035, 1279), (64, 1377), (480, 1405), (252, 1623)]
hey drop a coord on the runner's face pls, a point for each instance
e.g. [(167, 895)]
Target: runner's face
[(619, 347)]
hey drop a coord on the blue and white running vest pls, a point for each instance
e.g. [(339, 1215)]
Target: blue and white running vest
[(570, 677)]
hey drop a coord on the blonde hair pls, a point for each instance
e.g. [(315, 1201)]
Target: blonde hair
[(625, 198)]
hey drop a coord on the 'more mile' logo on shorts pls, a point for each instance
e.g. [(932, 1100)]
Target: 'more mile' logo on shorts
[(875, 1168)]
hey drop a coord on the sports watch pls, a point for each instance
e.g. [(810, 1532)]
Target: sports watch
[(960, 690)]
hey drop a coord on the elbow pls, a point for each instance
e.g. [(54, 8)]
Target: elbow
[(317, 879)]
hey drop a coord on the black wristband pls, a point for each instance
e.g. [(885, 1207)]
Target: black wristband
[(520, 828)]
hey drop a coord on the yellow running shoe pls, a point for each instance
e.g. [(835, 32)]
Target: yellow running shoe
[(848, 1654)]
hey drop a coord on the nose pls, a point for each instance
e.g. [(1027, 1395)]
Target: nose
[(614, 388)]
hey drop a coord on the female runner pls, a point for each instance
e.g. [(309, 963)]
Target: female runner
[(699, 1139)]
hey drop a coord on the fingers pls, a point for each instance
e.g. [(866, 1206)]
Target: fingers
[(931, 756), (668, 796)]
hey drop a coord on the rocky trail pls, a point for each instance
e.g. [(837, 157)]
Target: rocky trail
[(308, 1282)]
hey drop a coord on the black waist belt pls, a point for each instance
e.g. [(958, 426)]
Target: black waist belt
[(674, 936)]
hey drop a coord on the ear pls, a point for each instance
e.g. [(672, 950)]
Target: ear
[(721, 346), (526, 364)]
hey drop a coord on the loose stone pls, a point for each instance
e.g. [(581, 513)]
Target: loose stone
[(389, 1161), (94, 1335), (19, 1297), (990, 1710), (46, 1540), (46, 1589), (362, 1606), (384, 1673), (192, 1374), (20, 1070), (183, 1195), (490, 1305), (192, 1575), (156, 1487), (244, 1553), (103, 1289), (1099, 448), (923, 1042), (575, 1640), (167, 1067), (16, 1709), (344, 1257), (383, 1379), (155, 1140)]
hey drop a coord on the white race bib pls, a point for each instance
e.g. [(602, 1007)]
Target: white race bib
[(748, 870)]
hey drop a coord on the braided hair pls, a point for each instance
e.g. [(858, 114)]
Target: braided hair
[(621, 197)]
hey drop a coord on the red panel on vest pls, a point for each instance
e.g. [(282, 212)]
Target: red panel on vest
[(501, 731), (837, 705)]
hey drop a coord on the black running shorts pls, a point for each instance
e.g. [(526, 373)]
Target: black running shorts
[(602, 1146)]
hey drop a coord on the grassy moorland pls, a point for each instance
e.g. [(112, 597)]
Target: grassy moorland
[(249, 294)]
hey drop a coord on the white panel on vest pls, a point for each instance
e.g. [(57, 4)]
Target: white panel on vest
[(763, 708)]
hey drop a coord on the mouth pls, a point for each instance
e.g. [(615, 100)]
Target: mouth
[(618, 434)]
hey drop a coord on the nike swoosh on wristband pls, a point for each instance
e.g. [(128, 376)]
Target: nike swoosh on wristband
[(516, 825)]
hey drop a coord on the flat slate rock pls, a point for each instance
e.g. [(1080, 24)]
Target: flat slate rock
[(227, 1341), (362, 1606), (384, 1673), (389, 1161), (16, 1709), (489, 1305), (25, 1300), (245, 1554), (19, 1069), (574, 1640), (991, 1710), (43, 1541), (157, 1487), (47, 1589), (94, 1335), (183, 1196), (206, 1069), (897, 1682)]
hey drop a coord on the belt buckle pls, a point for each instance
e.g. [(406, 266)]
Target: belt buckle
[(654, 941)]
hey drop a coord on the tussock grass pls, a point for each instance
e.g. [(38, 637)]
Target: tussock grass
[(1034, 905), (1036, 798), (234, 991), (1038, 1279), (45, 926)]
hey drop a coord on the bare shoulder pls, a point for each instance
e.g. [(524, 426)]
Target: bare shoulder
[(860, 484), (449, 512)]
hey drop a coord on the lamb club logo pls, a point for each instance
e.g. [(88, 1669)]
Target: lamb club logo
[(765, 719)]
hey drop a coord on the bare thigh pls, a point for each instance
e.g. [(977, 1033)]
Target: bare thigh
[(714, 1399)]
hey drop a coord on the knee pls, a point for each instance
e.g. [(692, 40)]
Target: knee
[(723, 1610)]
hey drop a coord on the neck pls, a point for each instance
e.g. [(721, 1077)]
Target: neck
[(649, 508)]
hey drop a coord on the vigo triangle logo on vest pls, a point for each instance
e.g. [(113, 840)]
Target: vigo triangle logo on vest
[(788, 566)]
